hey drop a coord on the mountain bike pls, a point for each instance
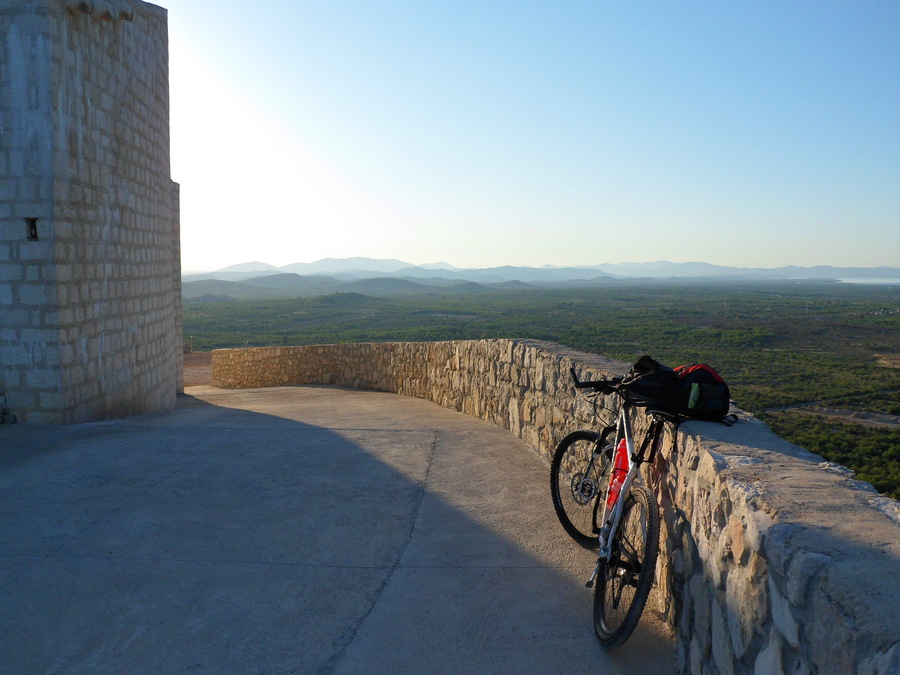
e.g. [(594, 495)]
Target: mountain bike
[(600, 499)]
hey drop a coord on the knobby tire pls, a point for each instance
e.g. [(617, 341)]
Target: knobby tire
[(624, 581), (574, 499)]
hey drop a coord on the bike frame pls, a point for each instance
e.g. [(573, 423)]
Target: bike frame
[(612, 515), (626, 555)]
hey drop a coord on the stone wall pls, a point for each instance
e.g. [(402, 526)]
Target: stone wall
[(89, 235), (772, 561)]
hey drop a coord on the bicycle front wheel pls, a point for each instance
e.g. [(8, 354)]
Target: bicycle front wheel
[(624, 580), (576, 484)]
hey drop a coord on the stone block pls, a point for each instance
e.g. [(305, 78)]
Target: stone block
[(830, 636), (722, 652), (804, 567), (27, 189), (710, 466), (735, 537), (699, 658), (768, 661), (779, 546), (884, 663), (702, 599), (15, 318), (51, 400), (16, 355), (782, 614), (10, 274), (745, 605), (8, 190)]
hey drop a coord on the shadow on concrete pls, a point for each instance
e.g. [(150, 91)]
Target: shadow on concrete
[(291, 530)]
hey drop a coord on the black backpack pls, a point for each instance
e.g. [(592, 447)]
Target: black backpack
[(696, 391), (702, 393)]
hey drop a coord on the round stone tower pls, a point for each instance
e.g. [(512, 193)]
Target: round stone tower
[(90, 290)]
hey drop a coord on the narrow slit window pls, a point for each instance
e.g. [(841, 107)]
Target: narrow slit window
[(31, 231)]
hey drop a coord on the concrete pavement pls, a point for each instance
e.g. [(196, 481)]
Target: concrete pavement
[(301, 529)]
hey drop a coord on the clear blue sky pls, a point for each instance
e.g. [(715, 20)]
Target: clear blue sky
[(487, 132)]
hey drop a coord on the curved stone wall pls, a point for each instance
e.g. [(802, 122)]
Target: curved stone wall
[(771, 559)]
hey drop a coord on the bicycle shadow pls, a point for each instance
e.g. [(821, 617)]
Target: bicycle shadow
[(394, 536)]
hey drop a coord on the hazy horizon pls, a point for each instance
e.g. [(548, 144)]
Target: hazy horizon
[(246, 265)]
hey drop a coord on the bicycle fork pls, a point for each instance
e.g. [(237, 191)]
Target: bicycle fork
[(608, 531)]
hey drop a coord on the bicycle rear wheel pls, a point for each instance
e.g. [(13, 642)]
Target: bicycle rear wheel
[(624, 581), (576, 484)]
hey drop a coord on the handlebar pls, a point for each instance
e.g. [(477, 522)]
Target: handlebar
[(619, 385), (605, 385)]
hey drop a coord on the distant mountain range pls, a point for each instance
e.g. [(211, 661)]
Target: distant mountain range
[(394, 277)]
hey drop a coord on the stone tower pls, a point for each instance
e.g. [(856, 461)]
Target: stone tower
[(90, 290)]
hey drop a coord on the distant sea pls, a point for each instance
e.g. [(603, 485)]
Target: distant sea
[(873, 280)]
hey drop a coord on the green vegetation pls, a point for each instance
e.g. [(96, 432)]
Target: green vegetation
[(776, 343), (873, 453)]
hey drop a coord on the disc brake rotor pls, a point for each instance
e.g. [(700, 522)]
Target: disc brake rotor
[(583, 489)]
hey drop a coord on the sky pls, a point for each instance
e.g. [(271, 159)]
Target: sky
[(483, 133)]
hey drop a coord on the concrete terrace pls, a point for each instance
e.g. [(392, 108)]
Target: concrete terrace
[(300, 529)]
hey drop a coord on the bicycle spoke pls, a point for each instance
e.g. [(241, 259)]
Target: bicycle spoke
[(577, 478), (625, 578)]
